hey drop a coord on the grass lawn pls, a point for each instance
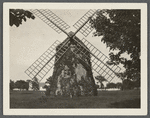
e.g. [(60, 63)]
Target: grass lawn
[(105, 99)]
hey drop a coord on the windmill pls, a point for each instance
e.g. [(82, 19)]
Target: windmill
[(74, 59)]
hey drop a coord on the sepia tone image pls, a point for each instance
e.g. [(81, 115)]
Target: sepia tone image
[(75, 58)]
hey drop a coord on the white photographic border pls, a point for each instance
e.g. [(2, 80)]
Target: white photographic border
[(94, 111)]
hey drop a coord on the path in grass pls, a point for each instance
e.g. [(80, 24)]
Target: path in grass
[(105, 99)]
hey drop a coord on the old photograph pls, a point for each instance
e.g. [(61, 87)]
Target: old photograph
[(68, 57)]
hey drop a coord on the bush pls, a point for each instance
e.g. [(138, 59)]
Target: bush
[(12, 85), (21, 84)]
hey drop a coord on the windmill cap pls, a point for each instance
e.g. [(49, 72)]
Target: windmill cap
[(71, 33)]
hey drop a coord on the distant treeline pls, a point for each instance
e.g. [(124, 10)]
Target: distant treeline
[(127, 84), (21, 84)]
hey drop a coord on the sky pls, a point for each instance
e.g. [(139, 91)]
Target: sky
[(31, 39)]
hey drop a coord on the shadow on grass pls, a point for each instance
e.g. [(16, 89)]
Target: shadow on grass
[(135, 103)]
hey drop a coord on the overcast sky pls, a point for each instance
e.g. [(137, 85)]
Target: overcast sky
[(33, 37)]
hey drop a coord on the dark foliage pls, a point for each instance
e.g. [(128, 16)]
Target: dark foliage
[(49, 81), (119, 85), (16, 16), (111, 85), (121, 31), (35, 84), (21, 84), (101, 79), (47, 92), (128, 84), (12, 85)]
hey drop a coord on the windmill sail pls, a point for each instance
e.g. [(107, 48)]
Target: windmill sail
[(98, 60), (74, 58), (86, 29), (46, 61), (51, 19)]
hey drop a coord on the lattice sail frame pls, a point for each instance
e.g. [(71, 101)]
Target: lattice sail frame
[(51, 19), (44, 64), (98, 60), (46, 61), (86, 29)]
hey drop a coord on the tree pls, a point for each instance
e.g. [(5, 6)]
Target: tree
[(35, 84), (21, 84), (49, 80), (47, 87), (101, 79), (121, 32), (128, 84), (111, 85), (119, 85), (16, 16), (12, 85)]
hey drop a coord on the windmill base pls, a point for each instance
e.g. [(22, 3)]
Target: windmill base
[(72, 77)]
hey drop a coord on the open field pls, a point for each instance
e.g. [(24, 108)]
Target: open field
[(105, 99)]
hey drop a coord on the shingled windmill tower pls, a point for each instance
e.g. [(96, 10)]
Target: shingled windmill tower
[(73, 60), (72, 74)]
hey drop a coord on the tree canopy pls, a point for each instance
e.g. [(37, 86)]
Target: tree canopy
[(49, 80), (21, 84), (35, 84), (120, 31), (101, 79), (16, 16), (111, 85), (12, 85)]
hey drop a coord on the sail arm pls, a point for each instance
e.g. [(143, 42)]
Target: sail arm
[(98, 60), (46, 61), (82, 25), (51, 20)]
